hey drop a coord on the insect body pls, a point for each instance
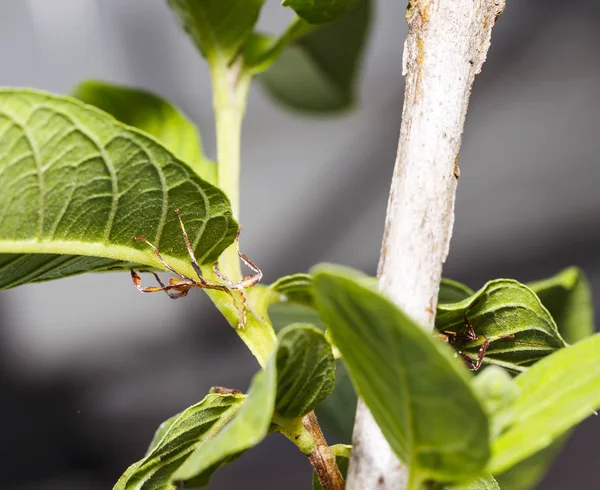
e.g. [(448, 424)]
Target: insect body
[(455, 338), (180, 285)]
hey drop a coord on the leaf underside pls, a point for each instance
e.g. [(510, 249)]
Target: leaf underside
[(78, 187), (388, 357)]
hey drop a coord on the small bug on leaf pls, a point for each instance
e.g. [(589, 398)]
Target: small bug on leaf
[(179, 286)]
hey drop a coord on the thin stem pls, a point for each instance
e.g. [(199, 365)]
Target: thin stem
[(230, 92), (321, 458), (307, 435)]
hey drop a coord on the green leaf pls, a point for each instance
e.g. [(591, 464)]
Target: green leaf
[(557, 393), (342, 458), (219, 28), (192, 445), (153, 115), (503, 307), (337, 411), (78, 187), (498, 391), (568, 298), (527, 474), (176, 439), (484, 483), (405, 376), (453, 291), (247, 429), (305, 370), (319, 11), (296, 288), (317, 72)]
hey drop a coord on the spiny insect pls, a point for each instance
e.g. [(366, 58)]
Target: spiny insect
[(453, 338), (178, 287)]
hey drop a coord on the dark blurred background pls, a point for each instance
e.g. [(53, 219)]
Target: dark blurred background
[(89, 367)]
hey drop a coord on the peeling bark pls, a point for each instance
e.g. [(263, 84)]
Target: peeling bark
[(447, 44)]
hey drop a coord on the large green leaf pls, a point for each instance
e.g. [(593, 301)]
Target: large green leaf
[(511, 315), (317, 71), (78, 187), (453, 291), (305, 370), (176, 439), (320, 11), (218, 27), (420, 397), (153, 115), (557, 393), (568, 298), (192, 445)]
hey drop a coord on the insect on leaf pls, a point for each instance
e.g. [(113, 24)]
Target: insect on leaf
[(404, 375), (508, 313), (79, 186)]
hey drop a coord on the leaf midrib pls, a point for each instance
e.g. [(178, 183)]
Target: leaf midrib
[(117, 252)]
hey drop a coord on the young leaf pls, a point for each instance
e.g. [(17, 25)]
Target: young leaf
[(153, 115), (557, 393), (406, 377), (319, 12), (176, 439), (568, 298), (78, 187), (317, 72), (511, 315), (219, 28), (296, 288), (305, 370)]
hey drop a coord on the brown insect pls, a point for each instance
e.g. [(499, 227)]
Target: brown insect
[(178, 287), (453, 338)]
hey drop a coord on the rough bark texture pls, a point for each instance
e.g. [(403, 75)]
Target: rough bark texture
[(446, 47)]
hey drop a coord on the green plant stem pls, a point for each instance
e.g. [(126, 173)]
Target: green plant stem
[(230, 92)]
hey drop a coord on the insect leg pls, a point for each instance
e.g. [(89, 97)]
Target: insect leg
[(181, 287), (190, 250)]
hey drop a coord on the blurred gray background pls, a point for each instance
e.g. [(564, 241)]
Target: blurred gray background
[(89, 367)]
